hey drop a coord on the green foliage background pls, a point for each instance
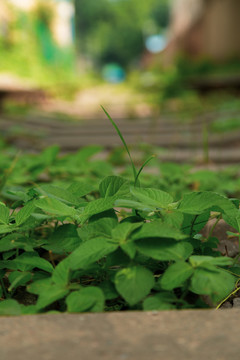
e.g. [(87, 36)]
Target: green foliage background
[(29, 50), (113, 31)]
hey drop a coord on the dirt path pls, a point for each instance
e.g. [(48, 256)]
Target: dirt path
[(119, 100), (82, 122)]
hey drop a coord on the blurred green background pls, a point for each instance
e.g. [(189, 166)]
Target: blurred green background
[(156, 47), (52, 40)]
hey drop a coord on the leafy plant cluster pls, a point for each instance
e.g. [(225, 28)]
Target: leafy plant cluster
[(178, 84), (108, 244), (19, 171)]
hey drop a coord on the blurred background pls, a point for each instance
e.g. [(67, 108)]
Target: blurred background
[(138, 59), (65, 46), (68, 45)]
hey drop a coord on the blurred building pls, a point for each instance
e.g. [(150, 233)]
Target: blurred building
[(5, 18), (204, 28), (25, 5), (62, 23)]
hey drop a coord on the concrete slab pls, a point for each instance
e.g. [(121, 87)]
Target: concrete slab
[(168, 335)]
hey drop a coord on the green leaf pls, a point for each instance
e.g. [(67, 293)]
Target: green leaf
[(55, 292), (5, 229), (158, 229), (107, 214), (173, 218), (33, 261), (18, 196), (122, 232), (112, 185), (12, 192), (164, 250), (87, 299), (58, 193), (17, 278), (134, 283), (90, 252), (86, 254), (49, 154), (80, 188), (8, 254), (10, 242), (40, 286), (129, 248), (24, 213), (109, 290), (160, 301), (99, 228), (10, 307), (152, 197), (61, 272), (198, 202), (235, 269), (212, 281), (175, 275), (130, 204), (192, 224), (85, 153), (48, 292), (122, 235), (64, 239), (200, 260), (232, 220), (13, 265), (97, 206), (56, 207), (4, 214), (29, 310), (117, 257)]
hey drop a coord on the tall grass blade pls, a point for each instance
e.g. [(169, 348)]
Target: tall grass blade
[(124, 143), (141, 168)]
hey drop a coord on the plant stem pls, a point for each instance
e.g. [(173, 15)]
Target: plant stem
[(223, 301), (141, 168)]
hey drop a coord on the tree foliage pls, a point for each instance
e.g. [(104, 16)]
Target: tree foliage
[(113, 30)]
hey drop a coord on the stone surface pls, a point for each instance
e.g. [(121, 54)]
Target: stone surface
[(181, 141), (228, 247), (168, 335), (226, 305), (236, 302)]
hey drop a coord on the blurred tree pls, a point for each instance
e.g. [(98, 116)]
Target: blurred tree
[(161, 12), (113, 30)]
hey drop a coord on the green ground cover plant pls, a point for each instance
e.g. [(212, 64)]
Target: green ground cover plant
[(175, 88), (75, 240)]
